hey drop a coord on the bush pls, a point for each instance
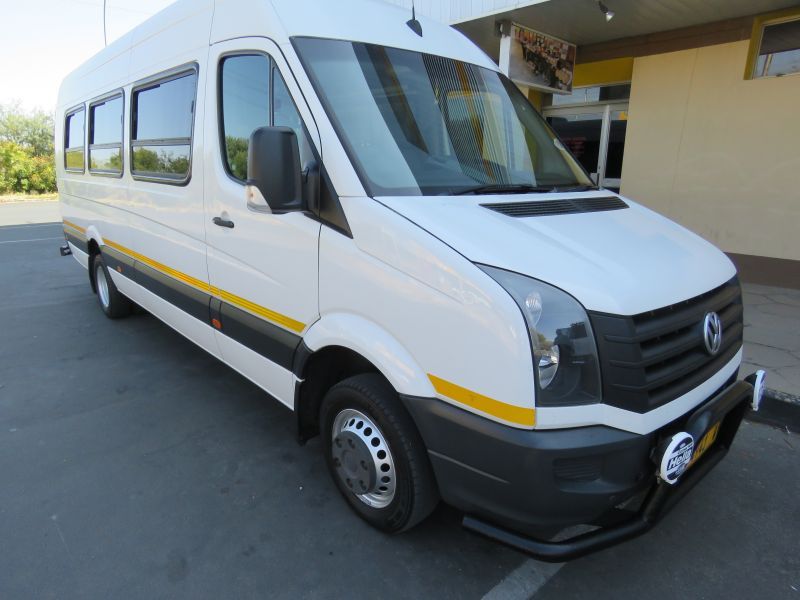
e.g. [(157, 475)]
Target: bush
[(23, 173)]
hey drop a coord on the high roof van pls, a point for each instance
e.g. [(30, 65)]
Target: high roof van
[(357, 211)]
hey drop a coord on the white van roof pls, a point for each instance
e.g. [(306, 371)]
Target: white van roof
[(174, 35)]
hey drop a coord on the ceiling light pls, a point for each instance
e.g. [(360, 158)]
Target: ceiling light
[(605, 10)]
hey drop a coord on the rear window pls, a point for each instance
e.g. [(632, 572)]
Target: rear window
[(73, 140)]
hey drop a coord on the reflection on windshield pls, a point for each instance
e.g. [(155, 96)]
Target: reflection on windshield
[(416, 123)]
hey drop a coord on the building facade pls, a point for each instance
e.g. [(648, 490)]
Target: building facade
[(691, 108)]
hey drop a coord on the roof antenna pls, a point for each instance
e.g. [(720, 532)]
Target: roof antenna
[(105, 38), (413, 24)]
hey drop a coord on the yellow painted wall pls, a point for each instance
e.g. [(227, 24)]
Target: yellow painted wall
[(715, 152), (603, 72)]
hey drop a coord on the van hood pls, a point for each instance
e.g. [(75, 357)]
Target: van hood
[(623, 262)]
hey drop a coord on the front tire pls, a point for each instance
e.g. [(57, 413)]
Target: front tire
[(112, 302), (375, 454)]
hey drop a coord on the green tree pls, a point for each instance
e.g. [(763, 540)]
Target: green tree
[(21, 172), (33, 131)]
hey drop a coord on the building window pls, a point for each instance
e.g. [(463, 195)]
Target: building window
[(162, 117), (775, 46), (105, 136), (73, 140), (253, 94)]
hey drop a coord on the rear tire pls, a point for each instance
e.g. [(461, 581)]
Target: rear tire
[(112, 302), (375, 454)]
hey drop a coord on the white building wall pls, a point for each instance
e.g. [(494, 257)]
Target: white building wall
[(457, 11)]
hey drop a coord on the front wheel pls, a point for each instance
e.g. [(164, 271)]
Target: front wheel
[(375, 454)]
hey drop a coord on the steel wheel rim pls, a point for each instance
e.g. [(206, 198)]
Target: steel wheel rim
[(365, 466), (102, 286)]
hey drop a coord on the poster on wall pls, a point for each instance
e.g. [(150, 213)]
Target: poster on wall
[(538, 60)]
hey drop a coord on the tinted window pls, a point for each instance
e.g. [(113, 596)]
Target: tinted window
[(245, 100), (780, 50), (73, 140), (105, 136), (161, 139), (165, 110), (285, 113), (245, 106), (106, 122)]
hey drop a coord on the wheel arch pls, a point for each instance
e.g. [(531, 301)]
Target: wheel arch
[(340, 346)]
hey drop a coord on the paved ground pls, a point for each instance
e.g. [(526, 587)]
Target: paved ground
[(134, 465), (16, 213), (772, 336)]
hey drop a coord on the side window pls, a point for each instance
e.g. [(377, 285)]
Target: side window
[(105, 136), (252, 95), (161, 128), (73, 140), (284, 112), (245, 106)]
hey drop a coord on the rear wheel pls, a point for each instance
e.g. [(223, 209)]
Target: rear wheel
[(375, 454), (113, 303)]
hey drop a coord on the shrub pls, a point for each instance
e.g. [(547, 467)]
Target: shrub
[(21, 172)]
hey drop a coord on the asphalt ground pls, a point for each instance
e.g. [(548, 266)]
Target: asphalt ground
[(134, 465)]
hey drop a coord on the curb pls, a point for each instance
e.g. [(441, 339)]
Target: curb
[(778, 409)]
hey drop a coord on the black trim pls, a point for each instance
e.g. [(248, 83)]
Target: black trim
[(301, 356), (649, 359), (79, 242), (259, 335), (185, 297), (119, 262), (268, 340), (545, 208), (513, 484)]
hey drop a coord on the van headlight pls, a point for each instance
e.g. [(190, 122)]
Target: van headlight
[(565, 360)]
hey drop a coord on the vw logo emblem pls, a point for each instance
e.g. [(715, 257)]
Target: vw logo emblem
[(712, 333)]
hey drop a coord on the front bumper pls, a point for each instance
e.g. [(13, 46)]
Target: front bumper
[(521, 487)]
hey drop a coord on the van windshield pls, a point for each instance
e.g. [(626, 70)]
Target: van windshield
[(419, 124)]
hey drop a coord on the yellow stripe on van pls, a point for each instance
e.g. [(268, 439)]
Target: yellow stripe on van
[(261, 311), (490, 406), (75, 227), (233, 299)]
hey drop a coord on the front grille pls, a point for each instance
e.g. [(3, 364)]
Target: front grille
[(652, 358), (547, 208)]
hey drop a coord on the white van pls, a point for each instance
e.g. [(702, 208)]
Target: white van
[(360, 214)]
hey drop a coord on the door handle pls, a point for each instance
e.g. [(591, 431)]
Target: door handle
[(222, 222)]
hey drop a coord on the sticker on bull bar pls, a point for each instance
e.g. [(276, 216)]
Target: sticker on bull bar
[(676, 457)]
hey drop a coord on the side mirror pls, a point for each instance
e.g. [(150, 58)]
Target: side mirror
[(273, 168)]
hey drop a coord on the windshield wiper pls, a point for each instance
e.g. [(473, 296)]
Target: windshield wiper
[(580, 187), (523, 188), (504, 188)]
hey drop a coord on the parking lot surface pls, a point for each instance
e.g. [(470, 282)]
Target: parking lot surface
[(134, 465)]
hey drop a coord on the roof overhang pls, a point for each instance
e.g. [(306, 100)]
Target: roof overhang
[(583, 23)]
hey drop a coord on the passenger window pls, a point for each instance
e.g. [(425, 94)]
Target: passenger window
[(73, 140), (161, 131), (245, 106), (105, 136)]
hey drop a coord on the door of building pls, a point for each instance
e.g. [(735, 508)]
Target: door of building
[(595, 133)]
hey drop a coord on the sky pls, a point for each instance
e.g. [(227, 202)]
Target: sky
[(43, 40)]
